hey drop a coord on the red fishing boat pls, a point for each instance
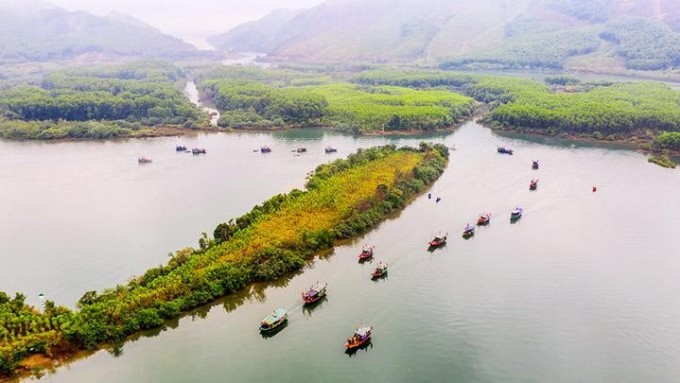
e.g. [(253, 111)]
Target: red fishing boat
[(533, 184), (361, 337), (484, 219), (366, 253), (379, 271), (437, 241)]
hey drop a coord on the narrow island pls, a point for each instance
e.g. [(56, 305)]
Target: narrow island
[(343, 199)]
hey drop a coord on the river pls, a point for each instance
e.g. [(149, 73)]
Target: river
[(191, 91), (583, 288)]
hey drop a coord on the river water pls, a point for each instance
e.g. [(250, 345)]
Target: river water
[(191, 91), (583, 288)]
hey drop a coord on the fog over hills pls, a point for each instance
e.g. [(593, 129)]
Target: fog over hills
[(36, 31), (638, 34)]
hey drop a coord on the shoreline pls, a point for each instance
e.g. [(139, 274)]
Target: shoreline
[(62, 351)]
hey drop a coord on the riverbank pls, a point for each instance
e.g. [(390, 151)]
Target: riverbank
[(343, 199)]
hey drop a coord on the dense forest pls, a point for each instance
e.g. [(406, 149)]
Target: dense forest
[(256, 98), (598, 109), (97, 102), (344, 198)]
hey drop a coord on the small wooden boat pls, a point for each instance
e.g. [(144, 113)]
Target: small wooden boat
[(144, 160), (469, 231), (484, 219), (361, 337), (274, 320), (380, 271), (197, 151), (533, 184), (437, 241), (516, 213), (265, 149), (314, 293), (504, 150), (180, 148), (330, 149), (300, 150), (366, 253), (534, 165)]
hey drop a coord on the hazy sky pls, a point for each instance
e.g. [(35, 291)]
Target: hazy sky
[(187, 18)]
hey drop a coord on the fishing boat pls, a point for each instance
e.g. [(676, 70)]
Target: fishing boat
[(504, 150), (180, 148), (265, 149), (437, 241), (469, 231), (484, 219), (274, 320), (366, 253), (533, 184), (300, 150), (314, 293), (516, 213), (361, 337), (330, 149), (144, 160), (534, 165), (380, 271), (197, 151)]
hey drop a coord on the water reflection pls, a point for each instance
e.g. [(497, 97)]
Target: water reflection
[(309, 308)]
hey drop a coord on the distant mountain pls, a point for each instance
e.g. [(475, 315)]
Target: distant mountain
[(33, 30), (472, 33), (255, 36)]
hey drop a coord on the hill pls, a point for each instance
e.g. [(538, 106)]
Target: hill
[(471, 34), (38, 31)]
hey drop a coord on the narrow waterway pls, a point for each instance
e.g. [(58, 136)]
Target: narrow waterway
[(583, 288), (191, 91)]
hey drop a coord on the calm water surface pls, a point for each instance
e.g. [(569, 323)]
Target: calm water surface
[(583, 288)]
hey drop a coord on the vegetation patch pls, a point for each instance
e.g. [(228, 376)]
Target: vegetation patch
[(99, 102), (662, 160), (254, 98), (343, 199)]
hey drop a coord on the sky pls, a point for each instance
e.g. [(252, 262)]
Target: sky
[(187, 19)]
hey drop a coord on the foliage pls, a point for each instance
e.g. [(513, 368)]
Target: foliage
[(662, 160), (258, 99), (589, 10), (344, 199), (562, 80), (142, 92), (530, 43), (645, 44), (598, 109), (667, 140)]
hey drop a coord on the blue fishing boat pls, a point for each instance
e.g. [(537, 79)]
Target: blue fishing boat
[(274, 320), (469, 231), (516, 213)]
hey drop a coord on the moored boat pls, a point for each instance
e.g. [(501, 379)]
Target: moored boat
[(314, 293), (469, 231), (198, 151), (144, 160), (516, 213), (504, 150), (484, 219), (180, 148), (437, 241), (330, 149), (380, 271), (366, 253), (300, 150), (533, 184), (274, 320), (534, 165), (265, 149), (361, 337)]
